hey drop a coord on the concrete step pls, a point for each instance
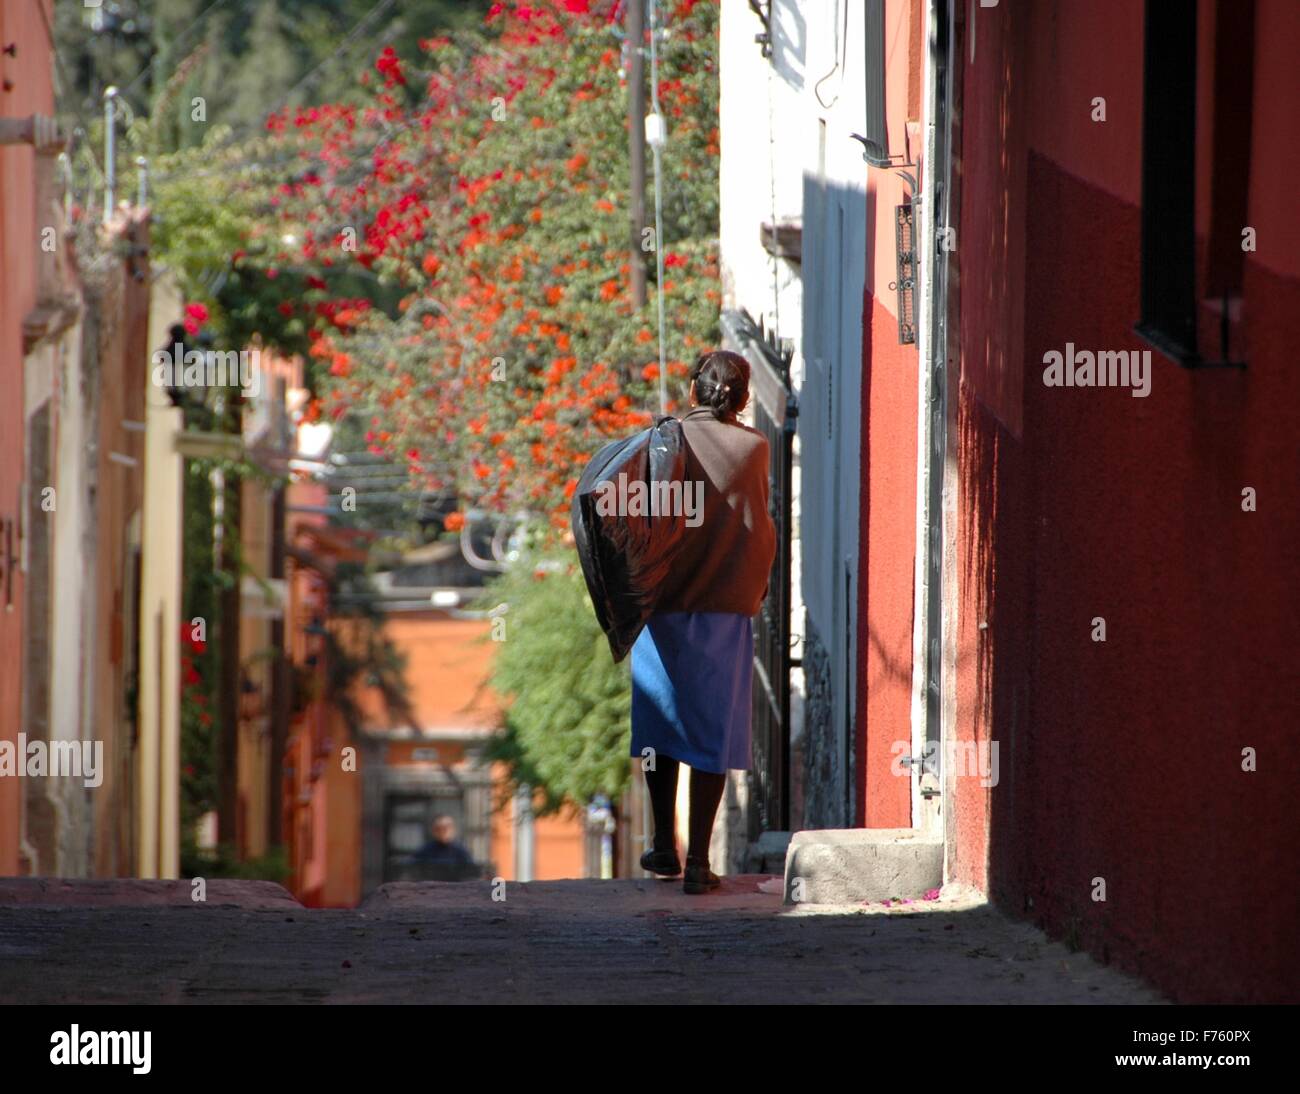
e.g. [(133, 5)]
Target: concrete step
[(850, 865)]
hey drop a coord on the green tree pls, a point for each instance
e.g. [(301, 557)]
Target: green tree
[(268, 67), (566, 726)]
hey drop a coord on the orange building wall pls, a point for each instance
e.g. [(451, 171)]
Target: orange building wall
[(448, 661), (448, 664), (557, 841), (29, 73)]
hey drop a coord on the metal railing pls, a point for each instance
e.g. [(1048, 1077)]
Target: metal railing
[(775, 412)]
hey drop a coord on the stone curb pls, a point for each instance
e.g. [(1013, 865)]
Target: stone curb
[(42, 892)]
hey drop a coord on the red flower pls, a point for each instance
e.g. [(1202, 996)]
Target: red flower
[(195, 316), (390, 67)]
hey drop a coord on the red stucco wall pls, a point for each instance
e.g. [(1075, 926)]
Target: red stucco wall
[(887, 546), (887, 446), (1122, 760)]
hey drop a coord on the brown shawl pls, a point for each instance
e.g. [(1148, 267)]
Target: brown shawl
[(726, 559)]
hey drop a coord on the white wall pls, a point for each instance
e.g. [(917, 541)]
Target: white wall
[(73, 588), (785, 124)]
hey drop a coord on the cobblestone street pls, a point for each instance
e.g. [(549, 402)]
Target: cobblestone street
[(579, 941)]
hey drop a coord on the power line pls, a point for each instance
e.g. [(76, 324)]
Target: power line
[(377, 10), (176, 44), (67, 81), (374, 13), (389, 134)]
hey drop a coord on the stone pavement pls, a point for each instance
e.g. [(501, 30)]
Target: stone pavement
[(580, 941)]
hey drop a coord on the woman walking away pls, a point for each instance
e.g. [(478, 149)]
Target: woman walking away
[(693, 663)]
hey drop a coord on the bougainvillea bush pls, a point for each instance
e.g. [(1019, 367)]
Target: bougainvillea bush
[(451, 250), (488, 180)]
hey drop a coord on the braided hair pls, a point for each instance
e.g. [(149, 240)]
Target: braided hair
[(721, 380)]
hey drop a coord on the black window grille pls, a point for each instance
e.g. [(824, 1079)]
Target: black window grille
[(1168, 293)]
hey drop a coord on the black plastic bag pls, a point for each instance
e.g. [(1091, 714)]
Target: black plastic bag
[(625, 558)]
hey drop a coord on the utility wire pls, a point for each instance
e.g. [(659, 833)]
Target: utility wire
[(655, 149), (67, 82), (174, 46), (388, 134), (251, 129), (374, 13)]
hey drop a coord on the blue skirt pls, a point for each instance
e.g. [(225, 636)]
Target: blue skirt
[(691, 679)]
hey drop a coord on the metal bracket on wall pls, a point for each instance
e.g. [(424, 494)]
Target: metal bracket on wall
[(905, 282), (764, 12)]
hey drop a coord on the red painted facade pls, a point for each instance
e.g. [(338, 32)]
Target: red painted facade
[(887, 539), (1119, 760)]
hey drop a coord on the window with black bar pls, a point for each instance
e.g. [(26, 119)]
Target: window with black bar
[(1189, 313)]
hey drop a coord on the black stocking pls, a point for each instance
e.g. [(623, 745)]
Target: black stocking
[(706, 793), (662, 784)]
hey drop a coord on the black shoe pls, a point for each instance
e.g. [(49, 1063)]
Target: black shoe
[(699, 878), (663, 863)]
